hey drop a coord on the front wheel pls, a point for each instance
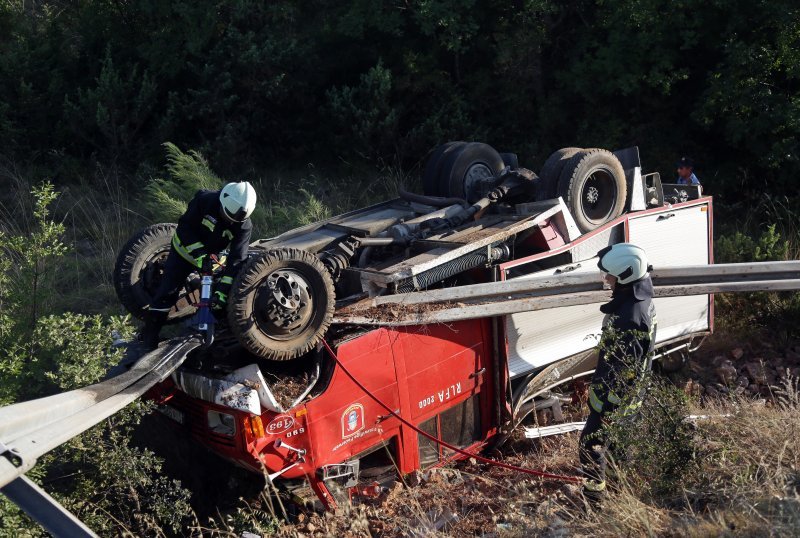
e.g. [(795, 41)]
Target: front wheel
[(281, 303)]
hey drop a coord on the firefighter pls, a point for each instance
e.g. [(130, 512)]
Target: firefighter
[(213, 222), (685, 168), (625, 355)]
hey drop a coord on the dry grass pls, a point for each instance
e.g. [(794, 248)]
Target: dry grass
[(745, 483)]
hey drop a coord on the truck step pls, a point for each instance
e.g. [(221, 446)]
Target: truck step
[(555, 429)]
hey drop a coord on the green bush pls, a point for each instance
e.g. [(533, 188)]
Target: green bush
[(655, 447), (118, 487), (166, 199), (365, 120), (76, 350), (650, 443), (746, 313), (741, 248)]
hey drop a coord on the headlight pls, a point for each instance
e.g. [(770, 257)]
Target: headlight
[(221, 423)]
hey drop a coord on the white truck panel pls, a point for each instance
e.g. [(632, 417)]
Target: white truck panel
[(676, 237), (670, 237), (538, 338)]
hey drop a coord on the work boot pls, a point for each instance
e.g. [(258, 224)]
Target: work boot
[(594, 492), (154, 319)]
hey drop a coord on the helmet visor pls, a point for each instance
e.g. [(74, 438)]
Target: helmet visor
[(601, 254), (239, 216)]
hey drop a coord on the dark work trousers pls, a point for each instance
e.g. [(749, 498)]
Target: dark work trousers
[(176, 269), (593, 447)]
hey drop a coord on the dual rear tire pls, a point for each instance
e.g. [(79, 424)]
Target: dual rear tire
[(591, 181), (465, 170)]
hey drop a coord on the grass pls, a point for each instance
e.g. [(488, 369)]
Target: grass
[(745, 483)]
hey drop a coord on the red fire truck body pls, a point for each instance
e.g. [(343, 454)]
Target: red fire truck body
[(435, 376), (460, 382)]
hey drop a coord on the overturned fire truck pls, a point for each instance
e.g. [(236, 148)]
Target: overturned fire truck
[(270, 395)]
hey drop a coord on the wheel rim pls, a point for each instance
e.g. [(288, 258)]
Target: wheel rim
[(598, 195), (284, 305), (478, 181)]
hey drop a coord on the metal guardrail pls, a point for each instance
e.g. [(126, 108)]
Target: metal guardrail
[(30, 429), (554, 291)]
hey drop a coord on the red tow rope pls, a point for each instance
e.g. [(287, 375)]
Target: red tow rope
[(541, 474)]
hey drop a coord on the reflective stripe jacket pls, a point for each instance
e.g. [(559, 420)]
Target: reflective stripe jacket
[(202, 230), (629, 335)]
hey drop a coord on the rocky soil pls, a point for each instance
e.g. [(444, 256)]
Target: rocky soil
[(724, 368)]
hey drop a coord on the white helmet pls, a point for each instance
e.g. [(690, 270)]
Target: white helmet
[(625, 261), (238, 200)]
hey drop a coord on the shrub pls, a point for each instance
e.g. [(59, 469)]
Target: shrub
[(188, 173), (365, 120), (750, 312), (117, 485), (649, 440), (741, 248)]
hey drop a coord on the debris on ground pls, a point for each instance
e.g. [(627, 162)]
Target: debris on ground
[(742, 372)]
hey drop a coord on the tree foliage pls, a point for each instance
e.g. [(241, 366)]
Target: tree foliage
[(250, 82)]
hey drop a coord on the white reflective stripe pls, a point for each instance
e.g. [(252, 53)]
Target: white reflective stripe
[(594, 401)]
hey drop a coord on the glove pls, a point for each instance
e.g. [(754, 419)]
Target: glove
[(218, 300), (206, 264)]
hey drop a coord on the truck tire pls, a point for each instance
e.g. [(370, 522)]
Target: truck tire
[(593, 186), (430, 175), (551, 172), (470, 171), (281, 303), (138, 269)]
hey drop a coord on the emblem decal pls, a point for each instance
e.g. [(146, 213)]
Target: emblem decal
[(352, 420)]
